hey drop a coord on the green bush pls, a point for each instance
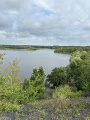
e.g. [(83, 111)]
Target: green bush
[(79, 70), (57, 77), (8, 107), (13, 92), (66, 91)]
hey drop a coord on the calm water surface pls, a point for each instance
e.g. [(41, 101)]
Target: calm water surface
[(28, 60)]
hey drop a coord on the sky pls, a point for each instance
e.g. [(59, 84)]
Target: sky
[(45, 22)]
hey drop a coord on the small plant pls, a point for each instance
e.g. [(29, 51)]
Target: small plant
[(76, 115), (43, 114), (61, 102), (8, 107), (66, 91), (69, 111), (81, 106), (40, 118), (87, 118)]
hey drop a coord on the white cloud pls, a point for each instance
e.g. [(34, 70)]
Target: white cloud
[(45, 21)]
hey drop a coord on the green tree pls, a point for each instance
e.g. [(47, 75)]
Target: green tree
[(11, 81), (83, 79), (12, 71), (37, 81), (57, 77), (25, 84), (38, 72), (34, 88), (79, 70)]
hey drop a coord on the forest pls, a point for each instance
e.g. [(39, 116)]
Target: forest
[(69, 82), (17, 47), (71, 49)]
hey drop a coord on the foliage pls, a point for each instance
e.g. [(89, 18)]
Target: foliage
[(8, 107), (19, 47), (35, 87), (13, 92), (57, 77), (10, 87), (39, 72), (1, 56), (1, 62), (66, 91), (25, 84), (71, 49), (12, 71), (79, 70)]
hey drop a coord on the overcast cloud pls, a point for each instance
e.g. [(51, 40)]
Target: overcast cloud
[(45, 22)]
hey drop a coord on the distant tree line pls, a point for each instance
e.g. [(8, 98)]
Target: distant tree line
[(19, 47), (57, 49), (71, 49)]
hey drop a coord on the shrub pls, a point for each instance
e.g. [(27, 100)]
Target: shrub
[(60, 102), (8, 107), (66, 91)]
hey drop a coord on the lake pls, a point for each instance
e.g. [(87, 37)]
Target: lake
[(28, 60)]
